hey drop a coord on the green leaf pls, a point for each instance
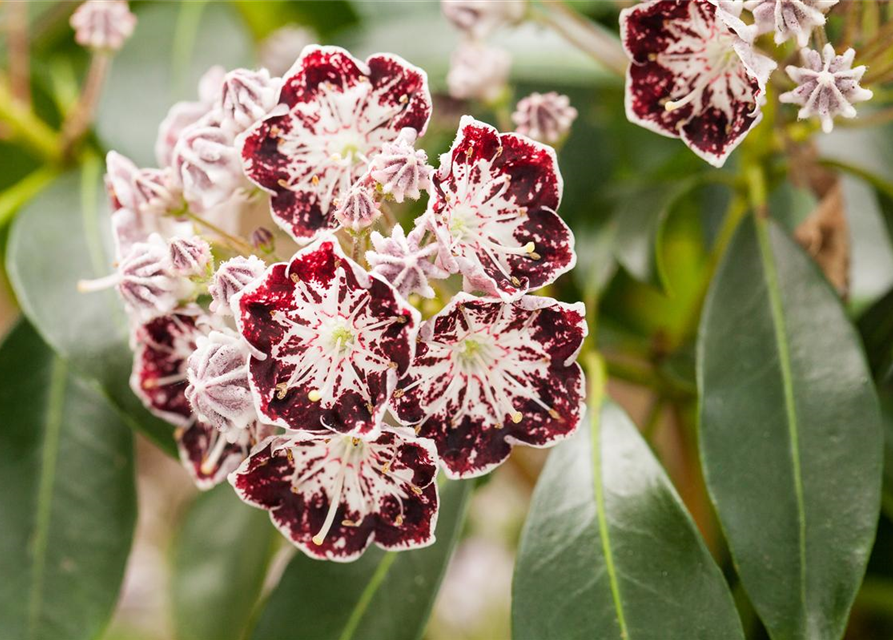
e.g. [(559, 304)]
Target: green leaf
[(173, 45), (790, 434), (325, 18), (609, 551), (68, 504), (220, 559), (381, 595), (62, 236)]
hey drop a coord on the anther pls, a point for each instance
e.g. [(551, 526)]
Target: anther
[(281, 390), (516, 417), (314, 395), (294, 278)]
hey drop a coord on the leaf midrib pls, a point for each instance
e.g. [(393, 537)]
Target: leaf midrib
[(49, 461), (784, 361)]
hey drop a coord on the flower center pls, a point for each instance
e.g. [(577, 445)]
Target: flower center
[(340, 337), (348, 147), (462, 221), (825, 78)]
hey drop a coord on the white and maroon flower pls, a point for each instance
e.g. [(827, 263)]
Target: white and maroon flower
[(186, 114), (490, 374), (208, 165), (103, 25), (828, 86), (359, 208), (246, 97), (544, 117), (334, 496), (209, 456), (478, 72), (190, 256), (218, 390), (694, 74), (335, 114), (789, 18), (494, 212), (480, 18), (401, 170), (336, 339), (230, 278), (401, 261)]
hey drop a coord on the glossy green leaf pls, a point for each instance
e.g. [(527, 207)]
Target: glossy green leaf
[(790, 434), (381, 595), (609, 551), (173, 45), (60, 237), (68, 504), (219, 562)]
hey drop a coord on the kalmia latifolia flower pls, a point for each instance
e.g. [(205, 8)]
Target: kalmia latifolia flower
[(828, 86), (246, 97), (332, 496), (335, 339), (208, 166), (694, 74), (401, 170), (544, 117), (335, 114), (103, 25), (789, 18), (401, 260), (480, 18), (489, 374), (478, 72), (494, 212), (218, 392), (208, 456), (185, 114), (190, 256), (359, 208), (231, 277)]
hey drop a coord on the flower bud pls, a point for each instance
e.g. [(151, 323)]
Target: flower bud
[(359, 209), (185, 114), (246, 97), (478, 72), (208, 166), (103, 25), (480, 18), (263, 240), (190, 256), (401, 170), (544, 117), (232, 276)]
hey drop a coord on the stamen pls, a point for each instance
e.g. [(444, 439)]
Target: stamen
[(334, 503), (210, 462), (314, 395), (100, 284)]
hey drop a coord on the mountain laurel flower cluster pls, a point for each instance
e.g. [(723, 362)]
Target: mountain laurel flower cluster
[(312, 382), (696, 72)]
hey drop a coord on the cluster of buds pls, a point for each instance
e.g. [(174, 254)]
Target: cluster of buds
[(312, 383), (696, 73)]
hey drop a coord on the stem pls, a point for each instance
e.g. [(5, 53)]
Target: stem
[(17, 44), (851, 28), (27, 127), (756, 188), (235, 243), (655, 413), (81, 116), (587, 36), (23, 190)]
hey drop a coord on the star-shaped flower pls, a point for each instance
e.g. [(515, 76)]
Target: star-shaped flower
[(400, 169), (335, 113), (490, 374), (230, 278), (334, 337), (828, 86), (694, 74), (494, 212), (333, 496), (789, 18), (401, 261), (544, 117)]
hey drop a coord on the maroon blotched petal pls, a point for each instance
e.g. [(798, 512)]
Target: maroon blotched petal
[(494, 212), (334, 338), (335, 115), (207, 456), (162, 347), (489, 374), (333, 496)]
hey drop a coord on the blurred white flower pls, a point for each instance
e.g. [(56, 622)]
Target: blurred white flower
[(103, 25), (478, 72), (544, 117)]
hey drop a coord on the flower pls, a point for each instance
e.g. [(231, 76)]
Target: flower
[(494, 212), (218, 392), (190, 256), (489, 374), (544, 117), (208, 165), (401, 261), (480, 18), (161, 349), (230, 278), (280, 49), (359, 209), (103, 25), (828, 86), (478, 72), (208, 456), (333, 496), (789, 18), (694, 74), (334, 116), (400, 169), (185, 114), (335, 338), (246, 97)]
